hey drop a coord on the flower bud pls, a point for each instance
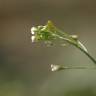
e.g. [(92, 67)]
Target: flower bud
[(75, 37), (55, 67)]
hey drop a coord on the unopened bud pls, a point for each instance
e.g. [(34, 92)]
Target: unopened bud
[(75, 37), (56, 67)]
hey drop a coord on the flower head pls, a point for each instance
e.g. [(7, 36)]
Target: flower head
[(49, 32), (43, 33)]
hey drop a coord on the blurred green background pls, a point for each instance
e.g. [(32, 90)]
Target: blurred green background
[(25, 67)]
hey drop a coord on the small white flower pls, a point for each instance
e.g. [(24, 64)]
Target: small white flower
[(55, 67), (33, 38), (33, 29)]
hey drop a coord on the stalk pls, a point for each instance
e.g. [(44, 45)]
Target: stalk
[(78, 45), (87, 54)]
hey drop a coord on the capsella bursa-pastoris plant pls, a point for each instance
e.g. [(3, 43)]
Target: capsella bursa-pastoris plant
[(49, 33)]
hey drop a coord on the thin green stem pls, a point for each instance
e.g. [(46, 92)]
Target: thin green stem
[(92, 59), (77, 67), (76, 44)]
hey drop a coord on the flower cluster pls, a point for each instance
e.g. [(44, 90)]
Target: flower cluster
[(49, 32), (43, 33)]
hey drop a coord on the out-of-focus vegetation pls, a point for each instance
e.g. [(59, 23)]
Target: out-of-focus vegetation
[(70, 83)]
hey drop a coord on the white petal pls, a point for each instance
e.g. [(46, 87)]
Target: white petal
[(32, 32), (33, 38), (55, 67), (33, 29)]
